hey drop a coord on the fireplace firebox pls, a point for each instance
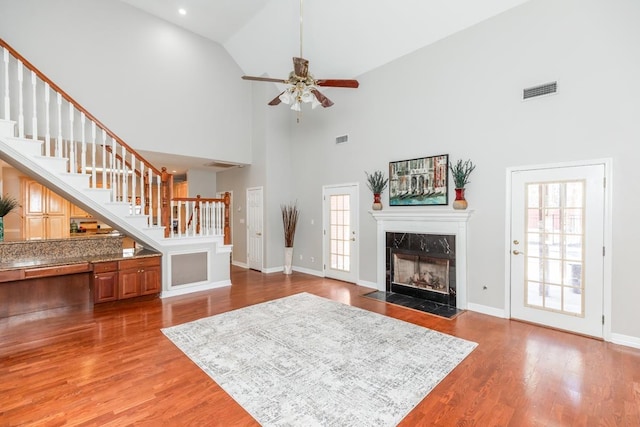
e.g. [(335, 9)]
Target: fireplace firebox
[(422, 266)]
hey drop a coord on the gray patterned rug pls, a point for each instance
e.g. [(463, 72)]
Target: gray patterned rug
[(307, 361)]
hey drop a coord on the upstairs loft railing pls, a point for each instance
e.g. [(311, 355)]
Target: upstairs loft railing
[(195, 216), (44, 112)]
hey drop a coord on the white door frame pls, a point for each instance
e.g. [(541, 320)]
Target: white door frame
[(608, 242), (249, 223), (355, 227)]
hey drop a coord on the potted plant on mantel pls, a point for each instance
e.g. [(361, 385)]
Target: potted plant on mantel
[(461, 171), (376, 183), (7, 204), (290, 215)]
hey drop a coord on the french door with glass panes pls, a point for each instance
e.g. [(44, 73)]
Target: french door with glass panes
[(557, 242), (340, 240)]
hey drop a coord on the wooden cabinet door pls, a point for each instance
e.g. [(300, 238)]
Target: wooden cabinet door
[(34, 198), (56, 205), (57, 226), (34, 227), (128, 283), (77, 212), (105, 287), (46, 215), (150, 280)]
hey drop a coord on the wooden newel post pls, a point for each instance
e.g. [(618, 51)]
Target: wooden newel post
[(167, 182), (227, 226), (197, 213)]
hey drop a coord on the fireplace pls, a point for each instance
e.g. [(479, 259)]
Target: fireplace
[(422, 254), (422, 266)]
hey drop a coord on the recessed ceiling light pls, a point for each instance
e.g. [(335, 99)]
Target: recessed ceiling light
[(182, 11)]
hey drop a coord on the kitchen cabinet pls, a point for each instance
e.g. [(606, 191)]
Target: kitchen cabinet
[(138, 277), (77, 212), (105, 281), (46, 214)]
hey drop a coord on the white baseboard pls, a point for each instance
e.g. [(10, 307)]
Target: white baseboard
[(240, 264), (183, 290), (367, 284), (318, 273), (625, 340), (484, 309)]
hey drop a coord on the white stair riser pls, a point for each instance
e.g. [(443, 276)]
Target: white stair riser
[(7, 128), (138, 221), (100, 195), (77, 180), (53, 164), (118, 208), (28, 147)]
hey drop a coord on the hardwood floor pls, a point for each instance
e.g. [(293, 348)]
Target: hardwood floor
[(111, 366)]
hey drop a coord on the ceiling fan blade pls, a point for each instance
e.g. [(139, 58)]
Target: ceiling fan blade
[(300, 67), (324, 101), (263, 79), (338, 83), (276, 100)]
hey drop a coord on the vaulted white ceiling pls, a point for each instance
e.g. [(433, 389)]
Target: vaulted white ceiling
[(341, 38)]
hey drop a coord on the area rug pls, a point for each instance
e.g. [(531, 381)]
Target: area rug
[(306, 361)]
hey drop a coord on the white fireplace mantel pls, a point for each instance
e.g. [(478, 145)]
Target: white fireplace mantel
[(432, 221)]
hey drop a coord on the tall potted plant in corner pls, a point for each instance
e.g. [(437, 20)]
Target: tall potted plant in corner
[(461, 171), (290, 215), (7, 204), (376, 183)]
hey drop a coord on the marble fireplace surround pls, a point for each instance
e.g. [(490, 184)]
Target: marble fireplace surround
[(432, 221)]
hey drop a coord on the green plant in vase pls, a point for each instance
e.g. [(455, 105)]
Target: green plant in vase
[(460, 171), (7, 204), (376, 183)]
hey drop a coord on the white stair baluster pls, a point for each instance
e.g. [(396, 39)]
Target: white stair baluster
[(47, 120), (125, 180), (114, 187), (94, 184), (179, 219), (170, 225), (59, 139), (134, 194), (159, 203), (7, 100), (34, 120), (104, 161), (20, 100), (72, 143), (142, 198), (83, 151)]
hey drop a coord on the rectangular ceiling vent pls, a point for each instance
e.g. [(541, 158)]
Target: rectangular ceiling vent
[(545, 89), (342, 139), (216, 164)]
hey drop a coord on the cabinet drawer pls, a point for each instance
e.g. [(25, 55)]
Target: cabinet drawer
[(11, 275), (139, 262), (102, 267), (57, 271)]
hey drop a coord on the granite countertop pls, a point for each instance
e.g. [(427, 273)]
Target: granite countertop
[(53, 262)]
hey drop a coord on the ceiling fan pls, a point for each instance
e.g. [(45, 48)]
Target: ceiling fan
[(302, 86)]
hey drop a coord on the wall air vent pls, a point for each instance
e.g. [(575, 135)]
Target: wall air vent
[(545, 89), (342, 139)]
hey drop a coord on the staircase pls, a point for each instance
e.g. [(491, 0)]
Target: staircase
[(49, 137)]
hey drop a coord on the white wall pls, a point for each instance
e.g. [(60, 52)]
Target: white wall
[(462, 96), (158, 87)]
